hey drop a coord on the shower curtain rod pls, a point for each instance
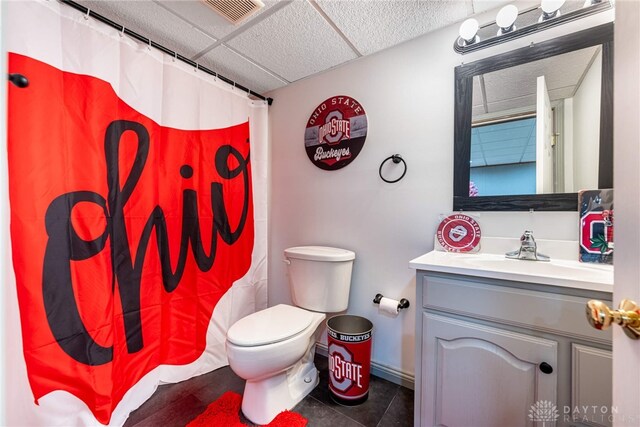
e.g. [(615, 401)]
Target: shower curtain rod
[(166, 50)]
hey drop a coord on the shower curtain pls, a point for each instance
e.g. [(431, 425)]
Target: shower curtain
[(137, 189)]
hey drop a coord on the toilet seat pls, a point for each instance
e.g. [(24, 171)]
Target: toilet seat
[(272, 325)]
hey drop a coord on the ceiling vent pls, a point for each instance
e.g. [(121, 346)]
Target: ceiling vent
[(235, 10)]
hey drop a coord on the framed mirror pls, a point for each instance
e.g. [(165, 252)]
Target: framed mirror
[(535, 125)]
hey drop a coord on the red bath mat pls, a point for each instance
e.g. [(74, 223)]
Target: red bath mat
[(225, 412)]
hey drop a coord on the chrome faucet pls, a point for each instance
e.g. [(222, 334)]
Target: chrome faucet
[(528, 249)]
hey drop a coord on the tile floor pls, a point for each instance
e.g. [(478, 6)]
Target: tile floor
[(177, 404)]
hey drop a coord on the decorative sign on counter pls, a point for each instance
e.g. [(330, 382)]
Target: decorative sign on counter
[(596, 226), (458, 233), (335, 132)]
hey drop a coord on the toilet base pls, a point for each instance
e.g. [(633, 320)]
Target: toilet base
[(265, 399)]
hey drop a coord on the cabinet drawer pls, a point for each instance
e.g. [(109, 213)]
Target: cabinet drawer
[(544, 311)]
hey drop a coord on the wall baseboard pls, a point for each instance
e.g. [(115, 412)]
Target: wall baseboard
[(379, 370)]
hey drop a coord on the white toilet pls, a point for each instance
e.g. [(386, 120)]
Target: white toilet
[(273, 349)]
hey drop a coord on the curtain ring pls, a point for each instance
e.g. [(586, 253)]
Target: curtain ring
[(122, 32), (88, 14), (149, 47), (175, 56), (395, 158), (196, 69)]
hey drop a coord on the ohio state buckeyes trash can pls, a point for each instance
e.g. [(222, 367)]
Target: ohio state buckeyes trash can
[(349, 348)]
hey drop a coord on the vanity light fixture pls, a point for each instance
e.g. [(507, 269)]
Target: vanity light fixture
[(513, 22), (506, 18), (469, 32), (550, 9)]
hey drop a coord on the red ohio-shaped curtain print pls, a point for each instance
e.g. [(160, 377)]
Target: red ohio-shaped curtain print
[(125, 233)]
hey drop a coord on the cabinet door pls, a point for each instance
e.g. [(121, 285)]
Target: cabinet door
[(591, 387), (477, 376)]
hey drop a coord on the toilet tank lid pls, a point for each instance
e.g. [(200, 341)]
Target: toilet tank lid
[(319, 253), (269, 326)]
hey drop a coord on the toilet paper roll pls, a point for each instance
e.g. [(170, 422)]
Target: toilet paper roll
[(388, 306)]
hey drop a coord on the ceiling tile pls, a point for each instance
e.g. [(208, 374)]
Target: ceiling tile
[(525, 103), (477, 111), (294, 42), (562, 71), (561, 93), (375, 25), (207, 19), (233, 66), (287, 39), (152, 21)]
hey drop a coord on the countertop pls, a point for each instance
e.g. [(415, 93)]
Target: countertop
[(557, 272)]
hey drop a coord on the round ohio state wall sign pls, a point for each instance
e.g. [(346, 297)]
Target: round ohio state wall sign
[(458, 233), (335, 132)]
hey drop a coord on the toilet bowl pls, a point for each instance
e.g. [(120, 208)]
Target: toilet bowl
[(273, 351)]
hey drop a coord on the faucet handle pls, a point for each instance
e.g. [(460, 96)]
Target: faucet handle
[(528, 249), (528, 235)]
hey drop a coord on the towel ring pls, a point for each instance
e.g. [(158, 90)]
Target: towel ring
[(395, 158)]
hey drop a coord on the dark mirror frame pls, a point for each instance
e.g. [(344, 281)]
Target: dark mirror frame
[(600, 35)]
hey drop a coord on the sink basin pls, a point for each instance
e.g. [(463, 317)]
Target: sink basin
[(554, 268), (556, 272)]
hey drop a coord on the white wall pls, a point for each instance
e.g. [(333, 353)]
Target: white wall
[(586, 116), (567, 141), (408, 95)]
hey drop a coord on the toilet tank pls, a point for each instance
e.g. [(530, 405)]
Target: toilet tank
[(320, 277)]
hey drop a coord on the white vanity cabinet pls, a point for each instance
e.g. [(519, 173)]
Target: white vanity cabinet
[(496, 353)]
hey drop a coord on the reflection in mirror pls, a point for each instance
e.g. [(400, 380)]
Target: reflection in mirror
[(541, 121), (535, 127)]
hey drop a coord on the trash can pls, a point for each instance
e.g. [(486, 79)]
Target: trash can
[(349, 348)]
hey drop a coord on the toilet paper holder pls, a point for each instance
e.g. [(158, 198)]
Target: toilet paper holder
[(403, 303)]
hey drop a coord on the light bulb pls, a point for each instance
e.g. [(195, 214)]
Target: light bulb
[(469, 31), (506, 18), (550, 9)]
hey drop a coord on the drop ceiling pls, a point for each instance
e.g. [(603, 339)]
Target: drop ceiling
[(286, 40), (513, 89)]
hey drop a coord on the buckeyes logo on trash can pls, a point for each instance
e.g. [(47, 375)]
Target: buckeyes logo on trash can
[(335, 132), (345, 372)]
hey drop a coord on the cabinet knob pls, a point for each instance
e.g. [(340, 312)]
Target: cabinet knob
[(546, 368), (600, 316)]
